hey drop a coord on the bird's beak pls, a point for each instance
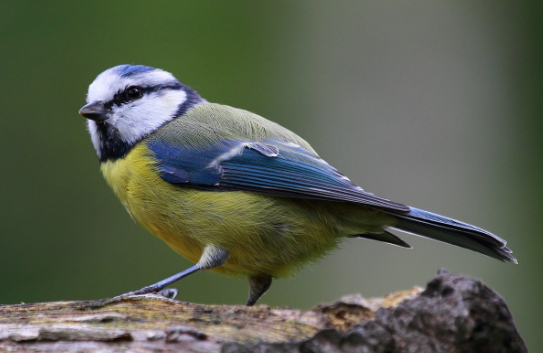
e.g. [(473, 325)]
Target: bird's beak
[(94, 111)]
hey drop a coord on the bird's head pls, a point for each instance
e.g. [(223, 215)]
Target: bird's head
[(128, 102)]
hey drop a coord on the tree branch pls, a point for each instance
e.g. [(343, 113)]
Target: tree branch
[(453, 314)]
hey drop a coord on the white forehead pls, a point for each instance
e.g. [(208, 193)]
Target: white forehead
[(115, 80)]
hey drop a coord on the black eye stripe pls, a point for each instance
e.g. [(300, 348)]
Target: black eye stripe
[(121, 98)]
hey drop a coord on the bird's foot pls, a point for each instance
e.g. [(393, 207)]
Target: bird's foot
[(169, 293)]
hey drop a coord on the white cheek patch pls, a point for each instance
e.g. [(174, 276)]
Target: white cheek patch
[(137, 119)]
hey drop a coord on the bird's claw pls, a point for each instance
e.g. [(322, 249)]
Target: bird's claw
[(169, 293)]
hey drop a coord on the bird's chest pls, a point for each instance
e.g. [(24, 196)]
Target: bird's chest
[(133, 179), (155, 204)]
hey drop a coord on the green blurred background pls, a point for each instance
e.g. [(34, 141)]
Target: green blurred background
[(433, 104)]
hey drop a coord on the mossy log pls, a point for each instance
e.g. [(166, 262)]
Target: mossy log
[(453, 314)]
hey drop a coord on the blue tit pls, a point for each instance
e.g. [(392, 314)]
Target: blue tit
[(236, 193)]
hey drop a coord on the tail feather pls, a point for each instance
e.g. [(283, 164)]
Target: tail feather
[(434, 226), (385, 237)]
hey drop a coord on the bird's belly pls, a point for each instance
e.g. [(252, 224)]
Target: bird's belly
[(263, 234)]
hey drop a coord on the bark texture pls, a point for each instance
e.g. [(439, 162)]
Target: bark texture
[(453, 314)]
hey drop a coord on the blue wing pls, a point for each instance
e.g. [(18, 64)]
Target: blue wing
[(273, 166)]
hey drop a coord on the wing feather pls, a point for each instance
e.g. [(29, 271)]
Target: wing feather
[(272, 166)]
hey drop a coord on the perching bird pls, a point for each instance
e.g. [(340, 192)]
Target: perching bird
[(236, 193)]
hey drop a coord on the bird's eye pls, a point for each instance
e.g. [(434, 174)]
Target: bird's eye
[(133, 93)]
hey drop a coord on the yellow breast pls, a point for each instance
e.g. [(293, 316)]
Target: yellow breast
[(153, 203)]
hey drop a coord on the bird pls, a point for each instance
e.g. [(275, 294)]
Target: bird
[(233, 192)]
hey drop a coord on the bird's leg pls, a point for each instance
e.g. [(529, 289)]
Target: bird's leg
[(212, 256), (157, 287), (258, 285)]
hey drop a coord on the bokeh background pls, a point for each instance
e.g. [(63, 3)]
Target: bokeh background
[(434, 104)]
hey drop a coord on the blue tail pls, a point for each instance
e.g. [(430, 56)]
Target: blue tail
[(448, 230)]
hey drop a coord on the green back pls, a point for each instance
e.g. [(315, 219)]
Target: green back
[(206, 125)]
